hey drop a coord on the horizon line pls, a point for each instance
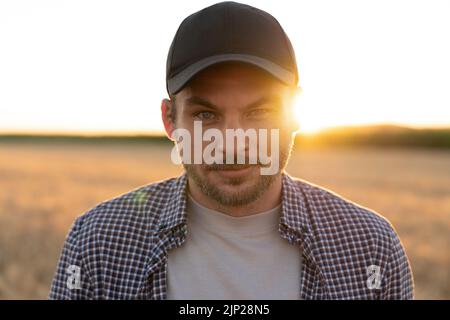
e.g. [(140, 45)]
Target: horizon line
[(161, 133)]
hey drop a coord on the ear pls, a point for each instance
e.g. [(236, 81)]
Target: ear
[(168, 117)]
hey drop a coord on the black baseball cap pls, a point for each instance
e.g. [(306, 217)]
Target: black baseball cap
[(229, 32)]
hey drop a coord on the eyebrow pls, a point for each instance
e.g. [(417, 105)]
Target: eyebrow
[(200, 101), (195, 100)]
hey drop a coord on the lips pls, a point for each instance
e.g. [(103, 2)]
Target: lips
[(227, 167), (234, 171)]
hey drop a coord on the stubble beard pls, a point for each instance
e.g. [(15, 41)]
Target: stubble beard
[(242, 196)]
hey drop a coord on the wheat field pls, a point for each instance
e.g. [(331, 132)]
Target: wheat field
[(44, 186)]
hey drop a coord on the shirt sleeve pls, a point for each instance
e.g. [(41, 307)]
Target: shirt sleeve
[(71, 281), (398, 279)]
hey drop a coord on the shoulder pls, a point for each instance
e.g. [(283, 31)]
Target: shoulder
[(113, 240), (136, 209), (330, 210), (343, 222), (351, 242)]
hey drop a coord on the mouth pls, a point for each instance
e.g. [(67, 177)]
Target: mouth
[(234, 171)]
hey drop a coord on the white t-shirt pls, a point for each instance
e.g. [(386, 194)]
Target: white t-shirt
[(226, 257)]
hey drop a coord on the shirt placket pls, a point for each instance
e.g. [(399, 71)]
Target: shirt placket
[(170, 240)]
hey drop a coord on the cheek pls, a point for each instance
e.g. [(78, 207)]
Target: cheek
[(280, 120), (284, 139)]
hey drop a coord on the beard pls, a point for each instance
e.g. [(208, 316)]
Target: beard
[(242, 195)]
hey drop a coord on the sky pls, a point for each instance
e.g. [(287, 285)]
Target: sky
[(99, 66)]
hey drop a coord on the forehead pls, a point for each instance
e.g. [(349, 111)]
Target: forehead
[(233, 78)]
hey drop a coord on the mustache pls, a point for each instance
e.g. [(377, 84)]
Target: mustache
[(217, 167), (234, 165)]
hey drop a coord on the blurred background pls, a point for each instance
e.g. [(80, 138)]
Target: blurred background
[(80, 89)]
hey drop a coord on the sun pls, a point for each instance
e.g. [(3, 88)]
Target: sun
[(311, 120)]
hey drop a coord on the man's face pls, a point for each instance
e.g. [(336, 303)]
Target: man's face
[(236, 96)]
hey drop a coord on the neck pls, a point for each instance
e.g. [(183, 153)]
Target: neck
[(268, 200)]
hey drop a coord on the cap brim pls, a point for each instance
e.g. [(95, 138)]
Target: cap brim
[(177, 82)]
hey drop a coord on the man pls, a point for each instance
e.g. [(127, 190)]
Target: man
[(225, 230)]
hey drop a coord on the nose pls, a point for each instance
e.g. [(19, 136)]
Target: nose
[(236, 139)]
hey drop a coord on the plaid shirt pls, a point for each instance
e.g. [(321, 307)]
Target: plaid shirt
[(120, 246)]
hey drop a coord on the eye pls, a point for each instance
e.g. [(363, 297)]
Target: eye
[(204, 115), (260, 112)]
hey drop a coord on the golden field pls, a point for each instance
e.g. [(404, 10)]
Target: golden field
[(44, 186)]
